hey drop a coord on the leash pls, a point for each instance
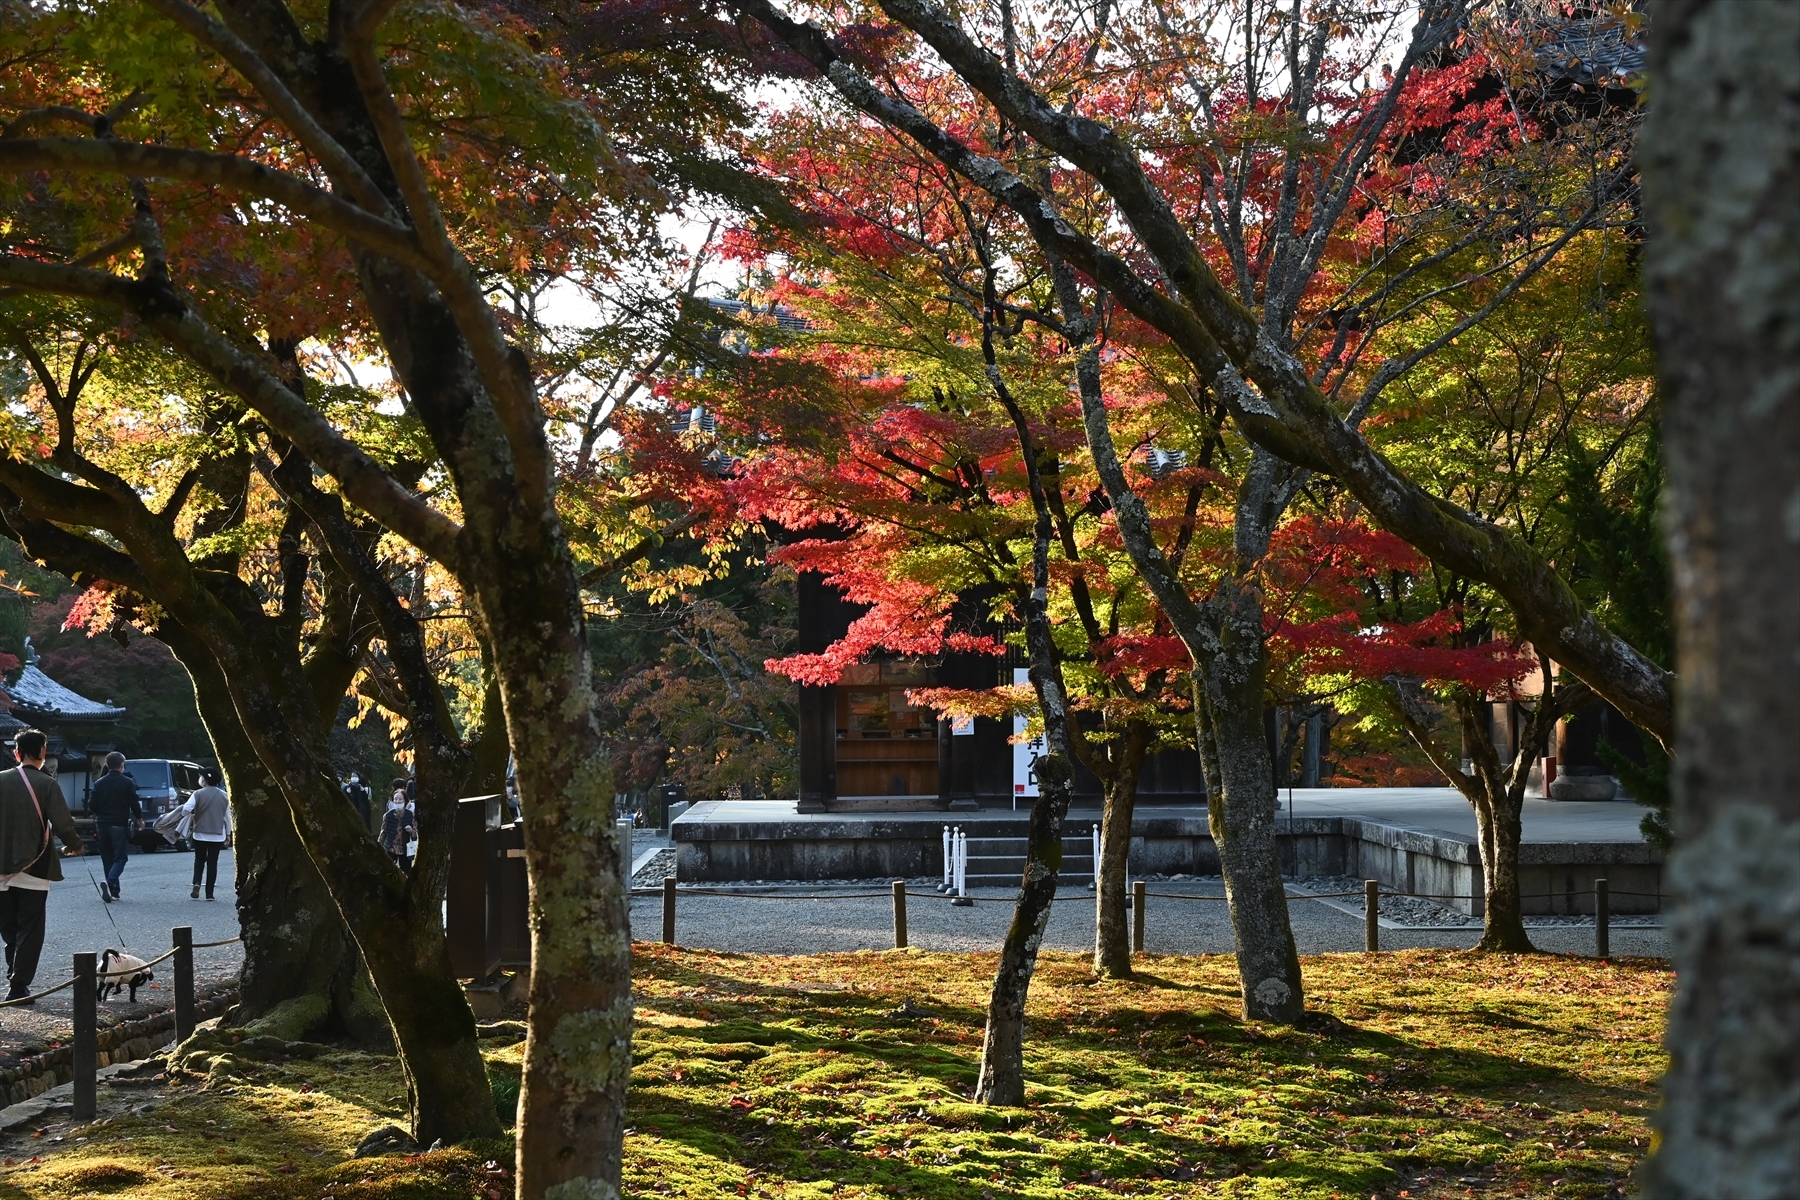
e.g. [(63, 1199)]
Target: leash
[(105, 904)]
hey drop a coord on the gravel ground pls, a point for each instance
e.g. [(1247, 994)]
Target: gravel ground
[(781, 919), (656, 870)]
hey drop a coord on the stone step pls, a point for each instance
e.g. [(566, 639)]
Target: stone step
[(1000, 862)]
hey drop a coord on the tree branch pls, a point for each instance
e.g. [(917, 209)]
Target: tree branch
[(338, 164), (106, 156), (504, 369), (362, 479)]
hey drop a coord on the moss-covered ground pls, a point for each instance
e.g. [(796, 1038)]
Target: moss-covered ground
[(1424, 1074)]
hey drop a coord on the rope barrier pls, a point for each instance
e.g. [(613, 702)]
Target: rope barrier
[(166, 955), (1371, 894), (67, 983), (689, 891), (770, 895), (208, 945)]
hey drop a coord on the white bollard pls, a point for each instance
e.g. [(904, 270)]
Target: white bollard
[(949, 861), (1096, 883), (962, 871)]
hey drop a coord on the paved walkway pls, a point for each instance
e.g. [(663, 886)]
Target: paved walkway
[(155, 900)]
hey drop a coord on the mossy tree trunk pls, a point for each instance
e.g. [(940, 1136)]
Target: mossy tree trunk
[(515, 563), (578, 1039), (1720, 161), (1494, 788), (1124, 766), (1002, 1077), (298, 956), (1225, 642)]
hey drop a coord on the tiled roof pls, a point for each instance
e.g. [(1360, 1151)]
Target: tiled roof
[(1600, 52), (34, 693)]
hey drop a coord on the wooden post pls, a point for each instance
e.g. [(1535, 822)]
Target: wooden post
[(1371, 915), (1602, 920), (1137, 916), (899, 914), (669, 912), (184, 982), (84, 1050)]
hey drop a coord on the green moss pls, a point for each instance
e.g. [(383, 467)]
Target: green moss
[(1427, 1072), (788, 1077), (290, 1020)]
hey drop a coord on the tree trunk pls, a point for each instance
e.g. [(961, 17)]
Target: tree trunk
[(1002, 1078), (1226, 642), (1502, 920), (401, 941), (578, 1042), (1268, 963), (1720, 156), (1112, 929), (301, 968)]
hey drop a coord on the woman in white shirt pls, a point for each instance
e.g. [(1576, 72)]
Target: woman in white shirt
[(209, 829)]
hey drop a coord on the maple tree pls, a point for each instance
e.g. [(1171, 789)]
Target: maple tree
[(1251, 362), (890, 291), (1411, 203), (1559, 378), (922, 498), (368, 180), (231, 534)]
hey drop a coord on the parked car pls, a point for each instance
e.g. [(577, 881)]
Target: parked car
[(162, 784)]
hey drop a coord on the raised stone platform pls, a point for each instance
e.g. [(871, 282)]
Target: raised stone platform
[(1419, 840)]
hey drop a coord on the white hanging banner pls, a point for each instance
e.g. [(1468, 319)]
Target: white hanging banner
[(1025, 753)]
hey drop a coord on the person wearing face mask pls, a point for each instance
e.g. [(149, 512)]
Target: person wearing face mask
[(209, 811), (398, 827), (358, 793)]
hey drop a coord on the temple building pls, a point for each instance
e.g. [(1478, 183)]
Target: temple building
[(864, 748), (81, 731)]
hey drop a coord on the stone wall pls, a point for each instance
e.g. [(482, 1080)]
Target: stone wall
[(127, 1041), (1554, 877)]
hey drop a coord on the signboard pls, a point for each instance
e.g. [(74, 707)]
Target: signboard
[(962, 727), (1025, 753)]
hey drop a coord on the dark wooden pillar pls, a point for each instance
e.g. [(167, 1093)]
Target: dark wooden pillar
[(818, 748)]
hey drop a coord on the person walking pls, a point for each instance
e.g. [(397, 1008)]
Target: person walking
[(358, 791), (209, 829), (31, 808), (116, 810), (398, 827)]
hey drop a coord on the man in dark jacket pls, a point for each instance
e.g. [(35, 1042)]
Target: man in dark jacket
[(116, 810), (31, 806)]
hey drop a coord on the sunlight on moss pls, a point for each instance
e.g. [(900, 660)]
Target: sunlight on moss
[(1428, 1073)]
